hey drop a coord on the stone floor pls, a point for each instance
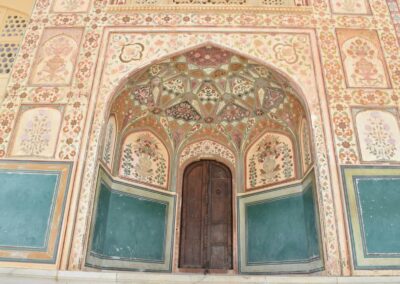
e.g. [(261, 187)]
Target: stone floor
[(35, 276)]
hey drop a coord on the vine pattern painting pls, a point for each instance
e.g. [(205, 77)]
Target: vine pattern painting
[(144, 159), (270, 160)]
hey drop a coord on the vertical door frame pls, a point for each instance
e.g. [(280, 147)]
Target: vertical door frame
[(178, 223)]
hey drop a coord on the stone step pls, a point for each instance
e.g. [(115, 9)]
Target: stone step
[(37, 276)]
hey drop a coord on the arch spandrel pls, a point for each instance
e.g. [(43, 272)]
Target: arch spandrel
[(299, 78)]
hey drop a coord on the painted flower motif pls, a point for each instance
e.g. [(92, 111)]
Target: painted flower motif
[(272, 161), (72, 5), (107, 148), (242, 87), (183, 111), (56, 62), (286, 52), (234, 112), (35, 137), (378, 138), (174, 86), (363, 64), (131, 52), (360, 48), (206, 148), (143, 161), (208, 56), (143, 95), (349, 5), (273, 98), (146, 145), (208, 94)]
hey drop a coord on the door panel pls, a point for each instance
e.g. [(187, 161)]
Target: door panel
[(193, 211), (206, 232), (218, 257)]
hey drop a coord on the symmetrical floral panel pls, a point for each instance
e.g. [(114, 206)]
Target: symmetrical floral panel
[(144, 159), (355, 7), (56, 57), (378, 134), (74, 6), (109, 142), (363, 61), (270, 160), (37, 131)]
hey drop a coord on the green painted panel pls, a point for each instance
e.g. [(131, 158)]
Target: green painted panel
[(26, 206), (134, 229), (276, 231), (379, 200), (100, 227), (310, 220), (282, 230)]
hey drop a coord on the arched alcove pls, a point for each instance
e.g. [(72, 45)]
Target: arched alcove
[(206, 97)]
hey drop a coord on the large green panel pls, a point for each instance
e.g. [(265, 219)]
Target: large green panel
[(310, 220), (132, 227), (279, 230), (26, 206), (275, 231), (379, 201), (100, 228)]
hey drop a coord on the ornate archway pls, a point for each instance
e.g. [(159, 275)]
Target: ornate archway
[(206, 103)]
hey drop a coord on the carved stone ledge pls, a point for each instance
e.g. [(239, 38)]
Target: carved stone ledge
[(212, 8)]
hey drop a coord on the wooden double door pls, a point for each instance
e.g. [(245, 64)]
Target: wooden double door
[(206, 221)]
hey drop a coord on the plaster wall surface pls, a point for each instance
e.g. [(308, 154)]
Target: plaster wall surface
[(341, 58)]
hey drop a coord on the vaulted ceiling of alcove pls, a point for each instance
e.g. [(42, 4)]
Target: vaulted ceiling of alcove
[(210, 88)]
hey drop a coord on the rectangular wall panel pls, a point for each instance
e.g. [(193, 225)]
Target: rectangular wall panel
[(279, 230), (373, 198), (132, 227), (32, 201)]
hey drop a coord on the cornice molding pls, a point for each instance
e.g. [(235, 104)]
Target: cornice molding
[(210, 8)]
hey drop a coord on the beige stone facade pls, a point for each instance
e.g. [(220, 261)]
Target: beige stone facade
[(126, 94)]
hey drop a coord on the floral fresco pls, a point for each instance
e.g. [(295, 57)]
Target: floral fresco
[(144, 159), (56, 58), (207, 148), (109, 142), (362, 59), (225, 76), (378, 134), (71, 6), (269, 161), (355, 7), (305, 145), (37, 132)]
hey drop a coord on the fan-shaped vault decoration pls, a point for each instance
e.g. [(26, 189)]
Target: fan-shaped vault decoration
[(210, 93)]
